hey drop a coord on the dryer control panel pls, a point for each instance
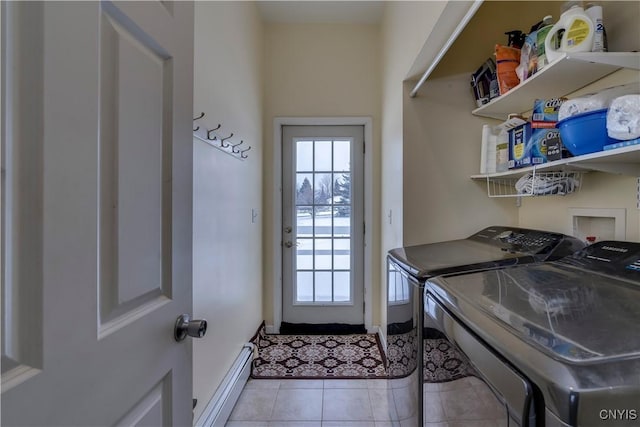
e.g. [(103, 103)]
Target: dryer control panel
[(615, 258), (526, 240)]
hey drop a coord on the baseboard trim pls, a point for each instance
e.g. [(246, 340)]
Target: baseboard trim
[(221, 404), (383, 339)]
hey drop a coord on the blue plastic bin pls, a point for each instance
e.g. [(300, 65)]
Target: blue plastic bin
[(585, 133)]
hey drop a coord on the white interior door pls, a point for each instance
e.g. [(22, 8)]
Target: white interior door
[(96, 212), (323, 224)]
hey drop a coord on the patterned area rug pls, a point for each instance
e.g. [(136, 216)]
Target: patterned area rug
[(318, 356)]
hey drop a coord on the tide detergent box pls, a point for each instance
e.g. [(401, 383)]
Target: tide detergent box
[(528, 146), (546, 110)]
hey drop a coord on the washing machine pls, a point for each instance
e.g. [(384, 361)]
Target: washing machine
[(407, 333), (556, 342)]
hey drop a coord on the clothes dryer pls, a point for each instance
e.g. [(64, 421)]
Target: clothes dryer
[(557, 342)]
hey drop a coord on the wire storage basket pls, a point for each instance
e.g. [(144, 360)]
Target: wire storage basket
[(535, 184)]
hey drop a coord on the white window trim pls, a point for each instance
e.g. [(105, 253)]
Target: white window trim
[(276, 252)]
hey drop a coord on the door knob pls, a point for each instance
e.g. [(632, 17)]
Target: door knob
[(288, 229), (288, 244), (185, 326)]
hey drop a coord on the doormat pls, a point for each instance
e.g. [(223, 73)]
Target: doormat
[(287, 328), (353, 356)]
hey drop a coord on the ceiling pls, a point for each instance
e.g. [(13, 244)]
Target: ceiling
[(333, 12)]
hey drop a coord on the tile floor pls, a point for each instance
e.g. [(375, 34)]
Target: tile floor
[(360, 403)]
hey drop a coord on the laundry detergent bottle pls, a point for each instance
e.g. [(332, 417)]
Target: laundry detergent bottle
[(577, 37)]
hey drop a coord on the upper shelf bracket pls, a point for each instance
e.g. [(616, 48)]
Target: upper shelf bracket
[(446, 21)]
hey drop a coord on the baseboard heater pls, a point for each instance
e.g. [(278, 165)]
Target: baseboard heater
[(221, 404)]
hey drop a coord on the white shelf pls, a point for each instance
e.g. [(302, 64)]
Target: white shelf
[(566, 74), (623, 161)]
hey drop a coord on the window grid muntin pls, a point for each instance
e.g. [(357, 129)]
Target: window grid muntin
[(333, 236)]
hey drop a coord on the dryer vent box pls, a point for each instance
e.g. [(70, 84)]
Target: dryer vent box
[(601, 223)]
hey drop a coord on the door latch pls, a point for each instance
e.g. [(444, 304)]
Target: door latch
[(185, 326)]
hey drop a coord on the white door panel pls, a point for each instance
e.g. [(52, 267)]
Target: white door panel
[(96, 275), (135, 75)]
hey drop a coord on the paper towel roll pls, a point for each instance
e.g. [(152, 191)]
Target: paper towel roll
[(581, 105), (623, 118), (486, 133), (595, 101)]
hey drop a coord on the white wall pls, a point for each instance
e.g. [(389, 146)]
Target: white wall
[(316, 70), (227, 256), (441, 151), (405, 28)]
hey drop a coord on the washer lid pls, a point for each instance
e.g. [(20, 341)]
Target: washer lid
[(430, 260), (570, 313), (491, 247)]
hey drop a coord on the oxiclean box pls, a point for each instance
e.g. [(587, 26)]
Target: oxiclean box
[(527, 146), (546, 110)]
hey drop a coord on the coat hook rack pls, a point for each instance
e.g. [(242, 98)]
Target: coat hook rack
[(214, 139)]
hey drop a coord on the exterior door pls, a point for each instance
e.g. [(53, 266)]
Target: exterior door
[(323, 219), (96, 212)]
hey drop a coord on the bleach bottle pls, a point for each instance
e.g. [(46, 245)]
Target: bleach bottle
[(577, 37)]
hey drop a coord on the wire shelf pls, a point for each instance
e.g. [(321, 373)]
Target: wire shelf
[(535, 184)]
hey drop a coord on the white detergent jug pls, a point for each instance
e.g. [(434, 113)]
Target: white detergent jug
[(578, 34)]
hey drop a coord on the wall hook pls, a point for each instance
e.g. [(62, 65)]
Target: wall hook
[(198, 118), (224, 139), (244, 151), (233, 146), (213, 130)]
